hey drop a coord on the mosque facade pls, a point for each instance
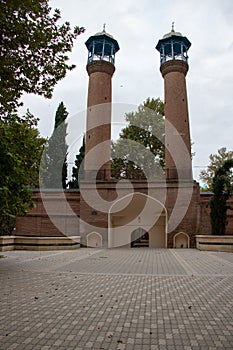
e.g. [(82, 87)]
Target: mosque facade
[(105, 212)]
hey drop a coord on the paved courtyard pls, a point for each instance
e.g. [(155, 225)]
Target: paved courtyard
[(116, 299)]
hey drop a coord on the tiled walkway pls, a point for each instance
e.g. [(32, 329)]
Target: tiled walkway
[(116, 299)]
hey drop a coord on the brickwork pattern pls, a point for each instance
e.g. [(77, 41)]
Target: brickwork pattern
[(38, 223), (176, 113), (98, 127)]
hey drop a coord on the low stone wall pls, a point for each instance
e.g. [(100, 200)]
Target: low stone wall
[(214, 243), (8, 243)]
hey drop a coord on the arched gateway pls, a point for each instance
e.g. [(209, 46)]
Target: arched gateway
[(133, 212)]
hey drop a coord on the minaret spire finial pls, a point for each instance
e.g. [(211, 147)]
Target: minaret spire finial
[(173, 23), (104, 27)]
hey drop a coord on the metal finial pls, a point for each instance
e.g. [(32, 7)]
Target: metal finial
[(104, 27), (173, 26)]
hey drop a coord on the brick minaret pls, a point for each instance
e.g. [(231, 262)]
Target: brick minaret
[(173, 49), (100, 67)]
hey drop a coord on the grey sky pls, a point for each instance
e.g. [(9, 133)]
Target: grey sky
[(137, 26)]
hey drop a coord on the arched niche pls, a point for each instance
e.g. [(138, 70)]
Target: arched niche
[(181, 240), (94, 240)]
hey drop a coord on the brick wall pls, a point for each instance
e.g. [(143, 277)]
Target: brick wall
[(61, 221), (61, 217), (205, 224)]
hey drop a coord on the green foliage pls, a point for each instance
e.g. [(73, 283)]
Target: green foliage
[(61, 115), (78, 169), (34, 50), (216, 161), (60, 118), (7, 224), (20, 153), (54, 161), (222, 189), (139, 151)]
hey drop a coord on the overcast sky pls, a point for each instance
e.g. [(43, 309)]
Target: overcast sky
[(137, 25)]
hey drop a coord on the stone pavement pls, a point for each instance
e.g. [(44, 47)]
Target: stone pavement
[(116, 299)]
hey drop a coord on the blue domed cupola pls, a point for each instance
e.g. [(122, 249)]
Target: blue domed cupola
[(173, 46), (102, 46)]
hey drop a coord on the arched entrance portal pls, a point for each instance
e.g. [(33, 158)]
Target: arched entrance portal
[(133, 212), (139, 238)]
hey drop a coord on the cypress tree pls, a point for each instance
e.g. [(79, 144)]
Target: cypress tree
[(55, 155), (222, 189), (78, 169)]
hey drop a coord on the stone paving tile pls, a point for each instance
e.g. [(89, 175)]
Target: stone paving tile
[(177, 303), (205, 263), (125, 261), (44, 260)]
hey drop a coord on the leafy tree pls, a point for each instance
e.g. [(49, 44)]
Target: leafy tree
[(216, 161), (34, 50), (139, 151), (21, 148), (54, 163), (33, 59), (78, 170), (222, 189)]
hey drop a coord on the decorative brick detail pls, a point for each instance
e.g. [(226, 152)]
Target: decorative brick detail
[(100, 66), (174, 66)]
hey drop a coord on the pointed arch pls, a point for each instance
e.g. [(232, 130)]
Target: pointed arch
[(139, 238), (136, 210)]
